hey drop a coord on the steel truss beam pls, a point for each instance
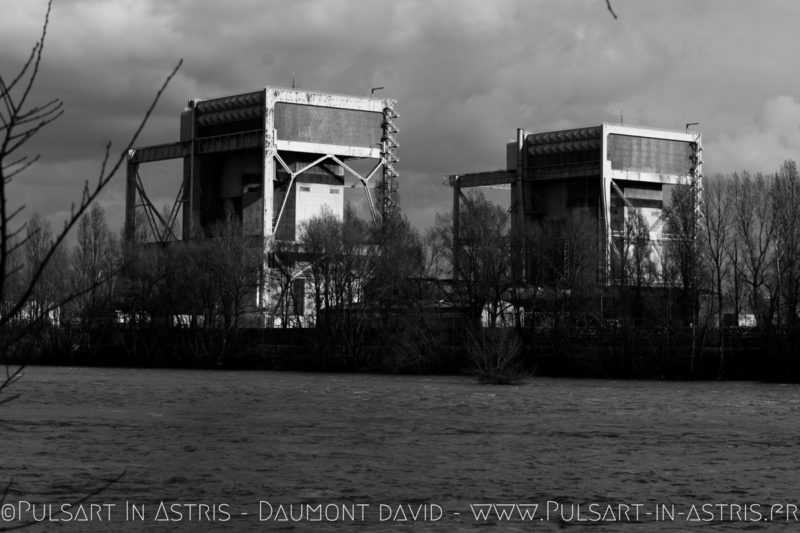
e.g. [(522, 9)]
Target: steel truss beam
[(165, 231)]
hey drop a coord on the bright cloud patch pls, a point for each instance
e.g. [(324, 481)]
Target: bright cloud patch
[(771, 138)]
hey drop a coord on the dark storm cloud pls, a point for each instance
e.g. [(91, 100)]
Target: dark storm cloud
[(466, 74)]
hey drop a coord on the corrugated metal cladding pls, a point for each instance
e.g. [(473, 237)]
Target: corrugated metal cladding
[(564, 148), (229, 109), (578, 139), (328, 125), (230, 115), (230, 102), (646, 154)]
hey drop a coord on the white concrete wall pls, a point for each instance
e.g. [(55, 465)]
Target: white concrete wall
[(312, 198)]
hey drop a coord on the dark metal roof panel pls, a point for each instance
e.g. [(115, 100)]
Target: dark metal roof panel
[(231, 115), (230, 102), (577, 134)]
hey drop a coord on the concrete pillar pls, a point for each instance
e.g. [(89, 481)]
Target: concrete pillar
[(268, 193), (130, 198), (456, 228), (522, 163)]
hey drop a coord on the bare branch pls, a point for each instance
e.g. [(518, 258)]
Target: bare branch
[(102, 488), (8, 399), (36, 114), (6, 89), (13, 108), (16, 247), (43, 313), (11, 376), (6, 490), (86, 201), (105, 162), (611, 9), (22, 138), (38, 59), (23, 164), (15, 213)]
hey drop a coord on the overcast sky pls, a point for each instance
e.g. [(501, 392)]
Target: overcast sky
[(466, 74)]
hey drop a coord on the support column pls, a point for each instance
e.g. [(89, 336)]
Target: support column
[(268, 193), (604, 218), (522, 164), (187, 202), (456, 228), (189, 133), (130, 198)]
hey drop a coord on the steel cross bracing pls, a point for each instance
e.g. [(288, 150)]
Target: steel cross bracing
[(293, 175), (165, 231)]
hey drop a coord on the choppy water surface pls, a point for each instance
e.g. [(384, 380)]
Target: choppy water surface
[(349, 443)]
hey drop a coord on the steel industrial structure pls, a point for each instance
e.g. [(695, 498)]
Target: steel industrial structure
[(274, 157), (610, 169)]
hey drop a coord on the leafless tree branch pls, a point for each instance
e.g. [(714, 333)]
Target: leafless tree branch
[(85, 498), (611, 9), (103, 179)]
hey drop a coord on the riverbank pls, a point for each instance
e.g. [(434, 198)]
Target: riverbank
[(615, 353)]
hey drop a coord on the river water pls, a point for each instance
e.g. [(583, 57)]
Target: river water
[(263, 451)]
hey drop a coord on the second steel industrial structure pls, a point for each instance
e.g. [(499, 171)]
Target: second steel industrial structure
[(610, 169)]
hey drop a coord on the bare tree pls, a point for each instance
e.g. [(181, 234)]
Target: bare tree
[(755, 232), (401, 294), (234, 268), (337, 252), (567, 257), (786, 205), (686, 246), (717, 213), (716, 221), (20, 121), (633, 268), (321, 238), (51, 286), (485, 263), (95, 263), (734, 250)]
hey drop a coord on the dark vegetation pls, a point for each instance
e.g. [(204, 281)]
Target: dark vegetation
[(377, 299)]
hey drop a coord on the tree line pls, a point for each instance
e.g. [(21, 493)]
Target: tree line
[(376, 296)]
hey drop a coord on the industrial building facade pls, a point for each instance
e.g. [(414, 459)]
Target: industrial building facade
[(273, 159), (610, 170)]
